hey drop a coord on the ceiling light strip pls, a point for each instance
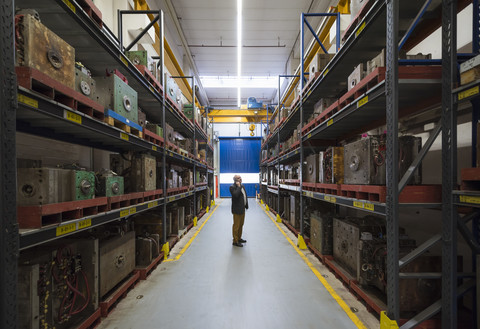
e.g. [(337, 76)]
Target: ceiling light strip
[(239, 50)]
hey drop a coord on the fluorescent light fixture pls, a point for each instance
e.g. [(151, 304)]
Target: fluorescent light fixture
[(255, 82), (239, 51)]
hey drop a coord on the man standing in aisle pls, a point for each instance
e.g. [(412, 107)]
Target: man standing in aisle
[(239, 204)]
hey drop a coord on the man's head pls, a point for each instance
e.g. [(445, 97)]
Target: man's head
[(237, 178)]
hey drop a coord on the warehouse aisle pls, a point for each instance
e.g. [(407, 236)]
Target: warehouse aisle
[(265, 284)]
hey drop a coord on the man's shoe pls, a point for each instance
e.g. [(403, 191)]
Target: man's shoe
[(242, 241), (237, 244)]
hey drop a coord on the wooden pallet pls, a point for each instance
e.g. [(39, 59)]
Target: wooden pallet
[(110, 302), (92, 11), (150, 78), (152, 195), (183, 152), (410, 194), (153, 138), (58, 213), (172, 147), (470, 179), (92, 321), (41, 83), (144, 272), (125, 200), (116, 120)]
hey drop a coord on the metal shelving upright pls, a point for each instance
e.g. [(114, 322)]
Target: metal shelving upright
[(23, 110), (380, 27)]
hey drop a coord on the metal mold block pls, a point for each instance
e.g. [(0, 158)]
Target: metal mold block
[(347, 235), (138, 57), (85, 84), (110, 186), (37, 186), (41, 49), (311, 169), (332, 165), (356, 76), (144, 173), (321, 232), (117, 261), (84, 184), (155, 129), (114, 94), (365, 162)]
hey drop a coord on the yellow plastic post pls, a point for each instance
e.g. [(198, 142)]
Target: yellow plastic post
[(166, 250), (261, 201), (266, 208), (208, 209), (195, 221), (301, 243), (386, 323), (212, 203), (279, 220)]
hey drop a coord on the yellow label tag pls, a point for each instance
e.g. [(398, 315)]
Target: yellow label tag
[(65, 229), (154, 147), (326, 198), (363, 101), (124, 213), (330, 122), (133, 210), (84, 223), (369, 206), (468, 93), (124, 60), (171, 154), (326, 72), (27, 101), (183, 158), (152, 90), (124, 136), (170, 199), (358, 204), (70, 5), (70, 116), (470, 199), (333, 199), (360, 29), (152, 204), (309, 135)]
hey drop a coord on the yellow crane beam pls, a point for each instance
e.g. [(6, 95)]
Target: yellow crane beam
[(237, 119), (236, 113)]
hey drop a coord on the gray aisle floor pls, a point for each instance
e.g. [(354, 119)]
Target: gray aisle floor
[(265, 284)]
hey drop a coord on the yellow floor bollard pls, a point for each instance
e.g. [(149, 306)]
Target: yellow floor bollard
[(195, 221), (261, 201), (386, 323), (166, 250), (301, 243), (208, 209), (266, 208), (279, 220)]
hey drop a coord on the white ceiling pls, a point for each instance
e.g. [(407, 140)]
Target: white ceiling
[(270, 31)]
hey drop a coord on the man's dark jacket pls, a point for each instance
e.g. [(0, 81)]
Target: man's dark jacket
[(238, 203)]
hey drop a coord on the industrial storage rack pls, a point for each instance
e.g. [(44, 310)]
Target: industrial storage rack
[(25, 111), (377, 29)]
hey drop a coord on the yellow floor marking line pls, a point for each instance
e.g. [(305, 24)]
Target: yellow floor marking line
[(329, 288), (192, 238)]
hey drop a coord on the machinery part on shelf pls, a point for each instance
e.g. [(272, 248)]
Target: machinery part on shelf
[(58, 284), (115, 94), (110, 185), (117, 260), (58, 62), (331, 163), (356, 76), (310, 169), (138, 57), (37, 186), (321, 232), (144, 173)]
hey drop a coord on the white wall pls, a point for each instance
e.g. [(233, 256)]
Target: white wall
[(433, 44)]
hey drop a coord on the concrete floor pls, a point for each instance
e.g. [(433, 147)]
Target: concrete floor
[(265, 284)]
